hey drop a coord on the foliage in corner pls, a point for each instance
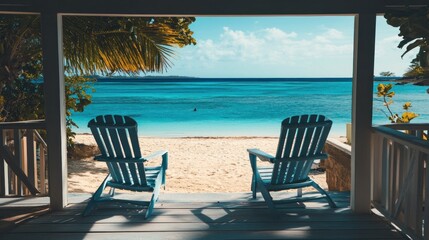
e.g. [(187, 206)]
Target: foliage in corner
[(414, 29), (77, 98), (92, 45), (384, 91)]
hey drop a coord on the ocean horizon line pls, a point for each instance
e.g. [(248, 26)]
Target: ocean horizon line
[(232, 79)]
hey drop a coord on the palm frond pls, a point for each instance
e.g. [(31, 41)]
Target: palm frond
[(126, 45)]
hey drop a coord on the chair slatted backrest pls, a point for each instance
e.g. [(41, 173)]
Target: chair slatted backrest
[(301, 141), (117, 139)]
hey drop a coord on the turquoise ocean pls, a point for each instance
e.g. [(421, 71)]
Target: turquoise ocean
[(182, 107)]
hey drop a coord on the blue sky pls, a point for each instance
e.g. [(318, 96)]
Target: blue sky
[(282, 47)]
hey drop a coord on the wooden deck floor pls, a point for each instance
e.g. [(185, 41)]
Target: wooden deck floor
[(201, 216)]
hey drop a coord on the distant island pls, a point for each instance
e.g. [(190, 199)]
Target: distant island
[(414, 81), (139, 78), (396, 80)]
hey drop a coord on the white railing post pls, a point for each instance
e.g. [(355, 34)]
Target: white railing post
[(17, 151), (55, 107), (31, 158), (4, 171), (376, 185), (426, 212), (42, 168)]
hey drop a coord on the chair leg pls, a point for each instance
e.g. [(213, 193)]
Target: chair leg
[(92, 202), (152, 202), (164, 167), (299, 192), (154, 197), (112, 192), (323, 192), (253, 186), (163, 178), (266, 195)]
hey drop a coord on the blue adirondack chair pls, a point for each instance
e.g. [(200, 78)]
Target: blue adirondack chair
[(301, 142), (117, 139)]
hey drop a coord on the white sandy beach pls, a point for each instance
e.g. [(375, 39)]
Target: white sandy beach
[(196, 164)]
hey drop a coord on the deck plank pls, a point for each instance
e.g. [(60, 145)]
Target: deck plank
[(215, 235), (210, 216), (203, 216)]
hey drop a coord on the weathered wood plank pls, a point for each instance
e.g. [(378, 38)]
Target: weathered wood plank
[(207, 216), (166, 197), (139, 212), (196, 226), (215, 235)]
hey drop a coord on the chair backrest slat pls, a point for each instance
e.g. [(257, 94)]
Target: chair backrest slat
[(117, 137), (309, 136), (301, 136), (114, 138), (117, 148), (103, 142), (300, 166), (134, 139), (105, 137), (126, 148)]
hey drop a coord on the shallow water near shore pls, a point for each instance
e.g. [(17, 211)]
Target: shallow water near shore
[(235, 107)]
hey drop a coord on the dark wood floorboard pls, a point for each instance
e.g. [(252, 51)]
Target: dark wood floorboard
[(200, 216)]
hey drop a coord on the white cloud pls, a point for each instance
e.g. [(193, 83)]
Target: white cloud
[(277, 34), (271, 45), (273, 51), (388, 55)]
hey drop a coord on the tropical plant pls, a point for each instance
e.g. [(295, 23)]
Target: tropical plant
[(92, 45), (414, 29), (123, 45), (415, 70), (384, 91)]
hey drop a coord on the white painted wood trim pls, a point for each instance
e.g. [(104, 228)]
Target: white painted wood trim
[(426, 214), (363, 72), (4, 171), (55, 107), (30, 124)]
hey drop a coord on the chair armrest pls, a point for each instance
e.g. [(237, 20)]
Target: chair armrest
[(120, 160), (163, 153), (155, 154), (261, 155)]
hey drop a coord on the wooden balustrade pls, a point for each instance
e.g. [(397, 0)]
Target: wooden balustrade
[(400, 178), (23, 165)]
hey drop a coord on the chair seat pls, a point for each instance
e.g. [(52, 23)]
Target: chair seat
[(151, 175), (267, 172)]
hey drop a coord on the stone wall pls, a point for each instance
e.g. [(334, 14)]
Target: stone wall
[(338, 171)]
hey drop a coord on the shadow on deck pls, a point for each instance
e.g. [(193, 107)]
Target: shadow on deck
[(202, 216)]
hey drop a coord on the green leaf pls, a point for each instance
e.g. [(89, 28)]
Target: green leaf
[(413, 45)]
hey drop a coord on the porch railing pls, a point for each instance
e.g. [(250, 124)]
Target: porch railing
[(23, 161), (400, 176)]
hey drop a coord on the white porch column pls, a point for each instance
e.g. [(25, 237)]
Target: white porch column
[(363, 74), (53, 73)]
